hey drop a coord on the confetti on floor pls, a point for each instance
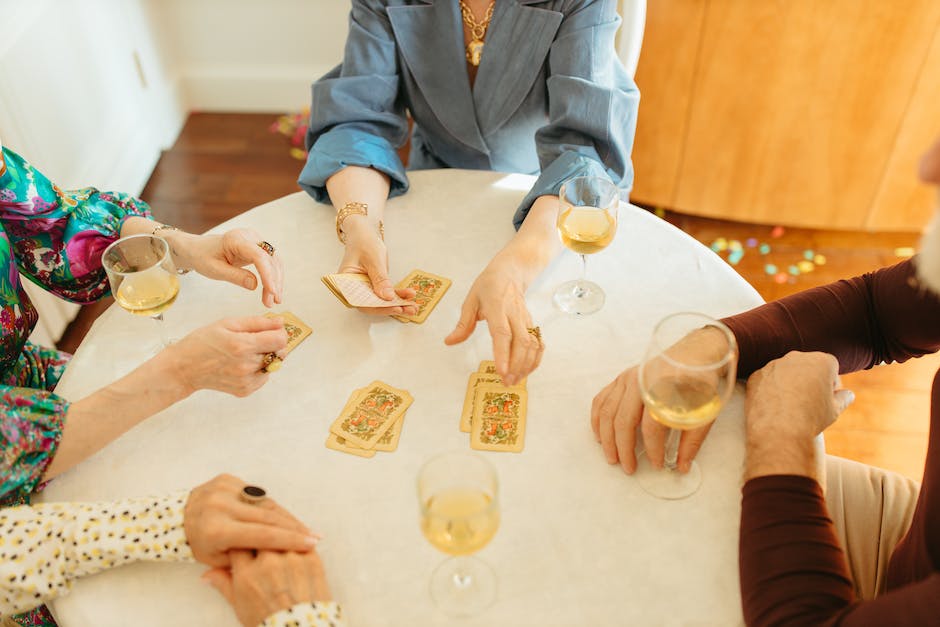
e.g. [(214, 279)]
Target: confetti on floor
[(777, 231), (764, 249), (904, 252)]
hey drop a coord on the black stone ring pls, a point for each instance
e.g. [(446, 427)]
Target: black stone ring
[(252, 494)]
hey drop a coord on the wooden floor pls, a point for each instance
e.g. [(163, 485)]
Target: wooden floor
[(223, 164)]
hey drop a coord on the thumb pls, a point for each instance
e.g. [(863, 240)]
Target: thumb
[(221, 580), (381, 284), (235, 276), (842, 400), (465, 326)]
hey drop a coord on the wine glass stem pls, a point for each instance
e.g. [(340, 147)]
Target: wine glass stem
[(462, 577), (161, 325), (672, 449), (583, 267)]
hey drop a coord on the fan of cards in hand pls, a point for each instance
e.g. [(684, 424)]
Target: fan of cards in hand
[(355, 290)]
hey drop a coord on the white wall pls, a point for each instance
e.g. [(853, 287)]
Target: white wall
[(249, 55), (72, 98)]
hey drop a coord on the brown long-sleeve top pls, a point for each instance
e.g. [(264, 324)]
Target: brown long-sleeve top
[(793, 571)]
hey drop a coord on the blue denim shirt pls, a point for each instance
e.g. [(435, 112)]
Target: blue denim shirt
[(550, 96)]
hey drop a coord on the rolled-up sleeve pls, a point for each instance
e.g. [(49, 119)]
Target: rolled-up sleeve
[(356, 116), (593, 105)]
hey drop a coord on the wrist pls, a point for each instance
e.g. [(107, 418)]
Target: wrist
[(771, 453), (172, 369), (181, 246)]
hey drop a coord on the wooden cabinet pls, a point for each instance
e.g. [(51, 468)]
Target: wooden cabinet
[(798, 112)]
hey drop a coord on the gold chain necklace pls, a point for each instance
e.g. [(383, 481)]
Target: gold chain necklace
[(477, 31)]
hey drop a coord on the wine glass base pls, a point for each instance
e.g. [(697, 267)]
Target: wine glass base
[(579, 297), (667, 484), (463, 586)]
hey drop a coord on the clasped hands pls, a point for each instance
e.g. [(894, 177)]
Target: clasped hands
[(261, 558)]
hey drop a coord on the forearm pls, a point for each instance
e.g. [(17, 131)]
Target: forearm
[(355, 184), (46, 547), (102, 417), (536, 243), (775, 451)]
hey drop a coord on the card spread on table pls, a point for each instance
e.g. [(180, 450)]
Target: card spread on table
[(369, 415), (499, 417), (476, 379), (340, 444), (297, 331), (487, 367), (429, 289), (355, 290)]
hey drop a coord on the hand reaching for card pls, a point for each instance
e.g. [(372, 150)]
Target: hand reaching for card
[(498, 296), (366, 254)]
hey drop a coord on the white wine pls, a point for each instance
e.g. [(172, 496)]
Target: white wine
[(459, 522), (586, 230), (148, 293), (683, 402)]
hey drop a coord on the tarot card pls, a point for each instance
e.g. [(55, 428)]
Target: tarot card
[(429, 289), (367, 416), (476, 379), (355, 290), (297, 331), (340, 444), (499, 419)]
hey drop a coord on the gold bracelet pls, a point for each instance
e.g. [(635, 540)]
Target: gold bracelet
[(353, 208)]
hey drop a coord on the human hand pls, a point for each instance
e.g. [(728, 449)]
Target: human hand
[(498, 296), (618, 409), (217, 521), (223, 257), (366, 254), (796, 396), (258, 586), (227, 355)]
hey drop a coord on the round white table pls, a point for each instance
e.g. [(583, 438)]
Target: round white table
[(579, 543)]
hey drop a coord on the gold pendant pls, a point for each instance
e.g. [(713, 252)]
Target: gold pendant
[(474, 52)]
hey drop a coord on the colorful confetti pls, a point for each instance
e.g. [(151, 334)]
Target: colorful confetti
[(819, 260), (660, 212), (751, 242), (794, 270), (764, 249), (770, 269), (808, 255), (806, 266), (734, 245), (904, 252), (719, 245), (777, 231), (780, 277), (735, 256)]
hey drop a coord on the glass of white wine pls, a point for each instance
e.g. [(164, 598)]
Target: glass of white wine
[(458, 497), (142, 276), (587, 223), (687, 375)]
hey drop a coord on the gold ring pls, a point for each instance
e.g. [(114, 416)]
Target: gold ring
[(252, 494), (271, 362), (266, 247), (536, 333)]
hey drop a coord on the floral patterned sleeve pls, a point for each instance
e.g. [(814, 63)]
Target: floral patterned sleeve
[(44, 548), (58, 236)]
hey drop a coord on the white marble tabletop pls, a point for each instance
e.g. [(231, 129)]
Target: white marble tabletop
[(579, 542)]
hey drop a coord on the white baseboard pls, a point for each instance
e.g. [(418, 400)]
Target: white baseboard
[(248, 89)]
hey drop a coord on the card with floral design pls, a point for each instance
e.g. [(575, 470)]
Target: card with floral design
[(367, 416), (499, 418)]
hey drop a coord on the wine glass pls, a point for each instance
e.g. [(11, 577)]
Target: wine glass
[(457, 494), (687, 375), (142, 276), (587, 223)]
